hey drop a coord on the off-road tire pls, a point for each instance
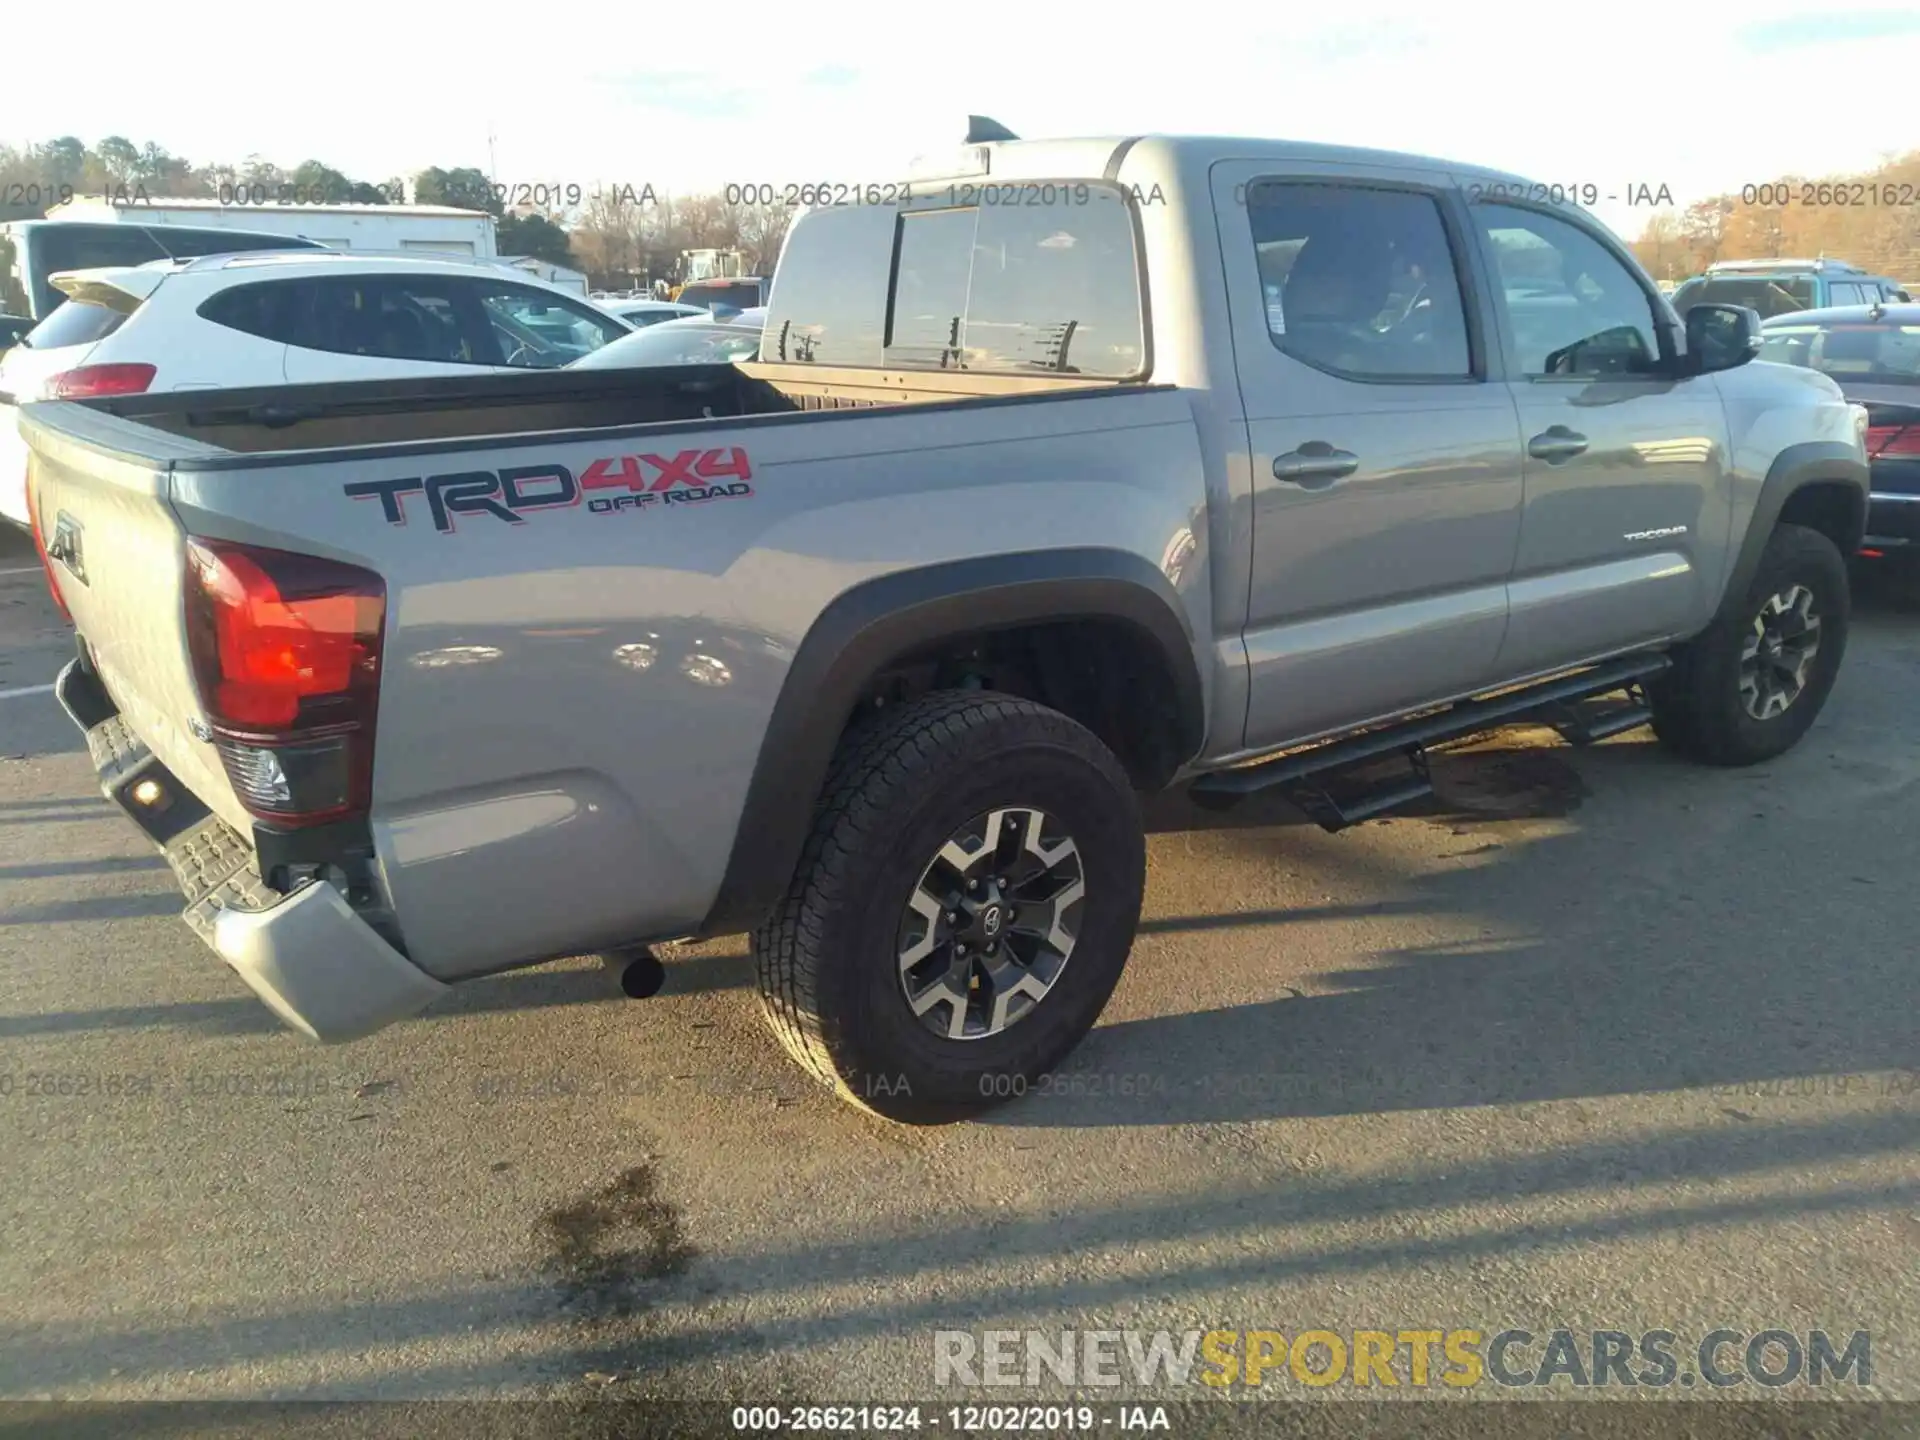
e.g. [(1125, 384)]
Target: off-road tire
[(828, 959), (1697, 707)]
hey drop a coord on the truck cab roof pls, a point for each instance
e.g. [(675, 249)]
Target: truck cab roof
[(1088, 156)]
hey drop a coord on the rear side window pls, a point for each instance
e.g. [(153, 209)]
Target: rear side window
[(76, 323), (410, 318), (254, 309), (1360, 282)]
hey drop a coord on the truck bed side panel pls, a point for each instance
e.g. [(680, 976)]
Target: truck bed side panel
[(575, 696)]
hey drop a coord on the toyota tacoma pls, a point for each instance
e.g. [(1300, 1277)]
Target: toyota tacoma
[(1090, 468)]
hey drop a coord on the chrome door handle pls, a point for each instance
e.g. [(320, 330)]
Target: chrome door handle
[(1315, 461), (1556, 443)]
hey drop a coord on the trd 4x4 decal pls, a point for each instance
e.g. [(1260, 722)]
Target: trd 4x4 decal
[(641, 482)]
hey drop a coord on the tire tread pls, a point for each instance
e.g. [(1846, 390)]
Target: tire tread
[(881, 760)]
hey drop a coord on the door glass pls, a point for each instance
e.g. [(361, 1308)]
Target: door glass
[(1568, 305), (395, 318), (537, 330), (1360, 282)]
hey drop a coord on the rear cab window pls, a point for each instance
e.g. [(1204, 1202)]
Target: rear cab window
[(994, 289)]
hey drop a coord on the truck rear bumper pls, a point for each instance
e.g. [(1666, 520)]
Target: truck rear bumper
[(315, 963)]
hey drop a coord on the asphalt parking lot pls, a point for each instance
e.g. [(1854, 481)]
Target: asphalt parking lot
[(1601, 1041)]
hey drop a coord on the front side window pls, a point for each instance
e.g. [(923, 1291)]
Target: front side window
[(1360, 282), (691, 342), (537, 330), (1569, 305)]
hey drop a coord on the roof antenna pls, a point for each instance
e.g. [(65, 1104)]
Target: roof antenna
[(982, 131)]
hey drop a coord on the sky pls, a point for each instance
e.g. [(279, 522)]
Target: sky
[(1700, 97)]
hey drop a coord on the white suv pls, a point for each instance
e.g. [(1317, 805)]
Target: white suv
[(292, 317)]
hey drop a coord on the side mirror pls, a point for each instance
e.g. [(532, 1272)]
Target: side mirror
[(1721, 337)]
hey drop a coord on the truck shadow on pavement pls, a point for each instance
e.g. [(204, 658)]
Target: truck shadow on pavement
[(1299, 1231), (1684, 968)]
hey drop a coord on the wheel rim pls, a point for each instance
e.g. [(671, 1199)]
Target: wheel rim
[(991, 923), (1778, 652)]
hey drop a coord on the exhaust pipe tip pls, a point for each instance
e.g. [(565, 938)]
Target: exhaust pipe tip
[(641, 973)]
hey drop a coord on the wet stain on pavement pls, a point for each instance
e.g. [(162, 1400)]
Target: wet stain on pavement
[(605, 1248)]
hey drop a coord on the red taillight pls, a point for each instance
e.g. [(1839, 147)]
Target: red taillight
[(1893, 440), (286, 653), (40, 544), (89, 381)]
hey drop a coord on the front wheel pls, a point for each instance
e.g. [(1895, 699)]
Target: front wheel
[(962, 909), (1749, 686)]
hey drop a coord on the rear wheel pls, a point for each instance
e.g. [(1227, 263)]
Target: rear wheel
[(1748, 687), (962, 910)]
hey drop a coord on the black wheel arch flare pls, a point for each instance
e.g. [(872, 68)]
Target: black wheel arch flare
[(879, 620)]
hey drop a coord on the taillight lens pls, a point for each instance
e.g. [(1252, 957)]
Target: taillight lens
[(286, 653), (40, 544), (89, 381), (1892, 440)]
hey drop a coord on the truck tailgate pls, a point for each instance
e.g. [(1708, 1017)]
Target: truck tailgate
[(118, 553)]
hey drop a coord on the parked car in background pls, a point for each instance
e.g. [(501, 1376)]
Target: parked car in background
[(1873, 353), (42, 248), (640, 313), (294, 317), (739, 294), (1780, 287), (702, 340)]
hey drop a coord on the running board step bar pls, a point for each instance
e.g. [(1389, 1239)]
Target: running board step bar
[(1321, 781)]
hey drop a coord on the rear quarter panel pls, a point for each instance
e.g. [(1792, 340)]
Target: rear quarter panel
[(572, 706)]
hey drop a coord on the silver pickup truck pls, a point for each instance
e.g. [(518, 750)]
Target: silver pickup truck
[(1095, 467)]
